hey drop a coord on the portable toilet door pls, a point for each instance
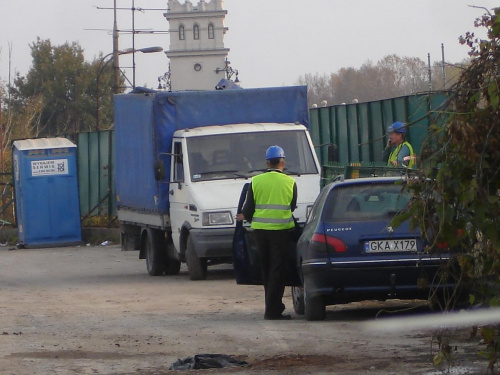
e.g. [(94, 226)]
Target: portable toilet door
[(46, 192)]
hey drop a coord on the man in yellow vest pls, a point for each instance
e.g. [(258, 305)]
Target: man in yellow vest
[(402, 155), (270, 200)]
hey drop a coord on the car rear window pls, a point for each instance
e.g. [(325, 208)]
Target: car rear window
[(365, 202)]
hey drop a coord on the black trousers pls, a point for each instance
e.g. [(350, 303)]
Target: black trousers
[(273, 247)]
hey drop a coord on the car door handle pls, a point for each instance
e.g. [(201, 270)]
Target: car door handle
[(171, 192)]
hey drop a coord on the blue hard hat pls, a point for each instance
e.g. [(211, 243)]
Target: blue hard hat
[(275, 152), (397, 127)]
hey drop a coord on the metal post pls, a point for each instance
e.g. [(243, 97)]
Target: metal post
[(430, 72), (133, 44), (116, 63), (442, 62)]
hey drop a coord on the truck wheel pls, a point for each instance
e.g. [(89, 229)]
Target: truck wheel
[(197, 267), (155, 253), (314, 306), (298, 300), (172, 267)]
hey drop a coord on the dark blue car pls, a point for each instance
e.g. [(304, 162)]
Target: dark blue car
[(348, 250)]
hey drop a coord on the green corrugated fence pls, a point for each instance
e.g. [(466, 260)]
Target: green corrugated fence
[(95, 173)]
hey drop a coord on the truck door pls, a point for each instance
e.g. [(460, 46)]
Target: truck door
[(178, 194), (246, 258)]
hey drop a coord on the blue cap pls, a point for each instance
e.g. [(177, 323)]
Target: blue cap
[(275, 152), (397, 127)]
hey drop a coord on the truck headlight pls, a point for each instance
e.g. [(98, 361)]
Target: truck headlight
[(217, 218)]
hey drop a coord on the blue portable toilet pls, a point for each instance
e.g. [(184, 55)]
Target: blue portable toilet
[(46, 192)]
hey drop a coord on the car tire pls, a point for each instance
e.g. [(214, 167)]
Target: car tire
[(197, 267), (298, 300), (314, 306), (155, 252)]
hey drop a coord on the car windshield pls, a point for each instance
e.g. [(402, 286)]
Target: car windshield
[(365, 202), (226, 156)]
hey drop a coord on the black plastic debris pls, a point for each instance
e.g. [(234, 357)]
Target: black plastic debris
[(206, 361)]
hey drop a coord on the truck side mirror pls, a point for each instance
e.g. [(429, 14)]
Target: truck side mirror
[(159, 170), (333, 153)]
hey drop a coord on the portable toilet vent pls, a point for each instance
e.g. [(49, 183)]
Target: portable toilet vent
[(46, 192)]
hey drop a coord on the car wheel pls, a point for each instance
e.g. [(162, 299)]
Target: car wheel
[(155, 253), (197, 267), (298, 300), (314, 306)]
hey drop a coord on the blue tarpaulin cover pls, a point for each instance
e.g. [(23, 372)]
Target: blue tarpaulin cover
[(145, 123)]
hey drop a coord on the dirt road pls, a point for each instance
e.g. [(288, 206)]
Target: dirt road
[(94, 310)]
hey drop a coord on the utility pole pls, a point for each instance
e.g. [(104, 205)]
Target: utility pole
[(133, 43), (442, 64), (429, 70), (116, 63)]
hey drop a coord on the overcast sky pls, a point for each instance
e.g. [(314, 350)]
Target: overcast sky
[(272, 42)]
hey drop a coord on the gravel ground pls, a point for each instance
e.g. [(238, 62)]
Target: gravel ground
[(94, 310)]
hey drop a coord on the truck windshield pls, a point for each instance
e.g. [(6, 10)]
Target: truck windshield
[(227, 156)]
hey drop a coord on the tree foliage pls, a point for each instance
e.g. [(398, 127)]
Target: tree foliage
[(457, 194), (65, 85), (392, 76)]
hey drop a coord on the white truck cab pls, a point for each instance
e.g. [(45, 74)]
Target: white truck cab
[(209, 167)]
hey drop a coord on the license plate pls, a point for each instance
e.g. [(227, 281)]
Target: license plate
[(384, 246)]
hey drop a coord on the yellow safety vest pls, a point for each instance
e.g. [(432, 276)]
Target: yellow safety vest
[(394, 155), (273, 193)]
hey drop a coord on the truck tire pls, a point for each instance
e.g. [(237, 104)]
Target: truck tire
[(155, 252), (172, 267), (197, 267), (314, 306)]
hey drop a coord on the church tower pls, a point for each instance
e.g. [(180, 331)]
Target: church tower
[(197, 54)]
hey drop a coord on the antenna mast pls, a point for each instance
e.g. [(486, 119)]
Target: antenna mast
[(116, 32), (116, 64)]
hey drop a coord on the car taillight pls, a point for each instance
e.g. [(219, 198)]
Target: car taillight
[(337, 245)]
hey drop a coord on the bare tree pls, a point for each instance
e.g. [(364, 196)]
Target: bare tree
[(392, 76), (319, 88)]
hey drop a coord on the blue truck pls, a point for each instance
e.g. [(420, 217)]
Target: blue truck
[(182, 158)]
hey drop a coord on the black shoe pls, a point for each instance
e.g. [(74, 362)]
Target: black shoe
[(279, 317)]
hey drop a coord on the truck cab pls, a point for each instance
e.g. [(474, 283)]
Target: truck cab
[(210, 165)]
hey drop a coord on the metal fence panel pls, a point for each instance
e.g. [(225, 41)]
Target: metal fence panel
[(342, 139), (353, 133), (324, 131), (364, 132), (377, 130), (95, 167)]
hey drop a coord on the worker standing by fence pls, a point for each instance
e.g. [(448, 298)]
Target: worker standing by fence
[(402, 155)]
